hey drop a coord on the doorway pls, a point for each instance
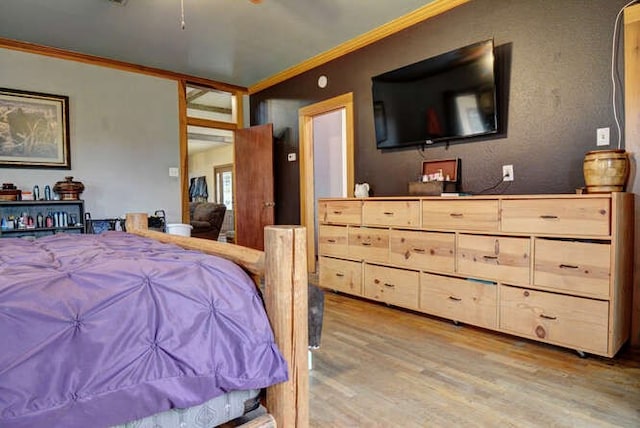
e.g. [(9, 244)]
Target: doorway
[(209, 118), (326, 160)]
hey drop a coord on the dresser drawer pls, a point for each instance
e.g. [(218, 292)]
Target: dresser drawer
[(574, 267), (457, 299), (574, 322), (369, 244), (394, 286), (460, 215), (491, 257), (422, 250), (557, 216), (391, 213), (340, 212), (332, 240), (341, 275)]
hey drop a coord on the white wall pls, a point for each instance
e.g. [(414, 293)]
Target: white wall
[(123, 131), (329, 155)]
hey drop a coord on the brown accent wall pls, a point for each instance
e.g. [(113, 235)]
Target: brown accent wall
[(554, 59)]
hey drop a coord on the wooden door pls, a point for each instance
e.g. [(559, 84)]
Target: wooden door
[(254, 201)]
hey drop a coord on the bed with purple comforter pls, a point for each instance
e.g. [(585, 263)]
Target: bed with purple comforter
[(97, 330)]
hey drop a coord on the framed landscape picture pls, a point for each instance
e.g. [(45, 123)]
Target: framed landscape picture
[(34, 130)]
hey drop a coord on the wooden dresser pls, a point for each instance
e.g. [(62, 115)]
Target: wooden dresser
[(553, 268)]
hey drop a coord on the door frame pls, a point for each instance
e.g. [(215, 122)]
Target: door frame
[(307, 196), (184, 121)]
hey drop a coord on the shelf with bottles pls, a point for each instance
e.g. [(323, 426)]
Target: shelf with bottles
[(76, 229), (38, 218)]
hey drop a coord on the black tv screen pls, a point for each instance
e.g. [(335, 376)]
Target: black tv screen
[(447, 97)]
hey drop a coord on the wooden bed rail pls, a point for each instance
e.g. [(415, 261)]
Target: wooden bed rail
[(283, 265), (248, 258)]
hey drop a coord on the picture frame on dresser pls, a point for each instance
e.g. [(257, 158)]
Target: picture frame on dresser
[(34, 130)]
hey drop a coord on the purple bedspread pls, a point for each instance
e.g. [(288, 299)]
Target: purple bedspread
[(101, 329)]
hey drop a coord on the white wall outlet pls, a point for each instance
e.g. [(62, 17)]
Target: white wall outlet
[(602, 136), (291, 157), (173, 172), (507, 172)]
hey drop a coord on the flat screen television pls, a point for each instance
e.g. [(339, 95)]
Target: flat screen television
[(447, 97)]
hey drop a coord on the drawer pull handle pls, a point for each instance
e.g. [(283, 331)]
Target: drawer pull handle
[(490, 257), (563, 266), (366, 244), (456, 214), (549, 217), (388, 213), (455, 299), (547, 317), (337, 212), (386, 284), (418, 250), (333, 241), (339, 275)]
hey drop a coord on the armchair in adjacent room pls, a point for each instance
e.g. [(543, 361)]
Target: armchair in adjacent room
[(206, 219)]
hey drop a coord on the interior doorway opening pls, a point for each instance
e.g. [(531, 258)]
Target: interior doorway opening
[(326, 160), (209, 120)]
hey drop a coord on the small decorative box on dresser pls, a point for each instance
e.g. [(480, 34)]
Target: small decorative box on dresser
[(553, 268)]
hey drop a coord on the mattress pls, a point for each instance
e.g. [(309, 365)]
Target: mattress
[(212, 413)]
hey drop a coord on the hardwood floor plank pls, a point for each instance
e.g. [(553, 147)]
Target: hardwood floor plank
[(379, 366)]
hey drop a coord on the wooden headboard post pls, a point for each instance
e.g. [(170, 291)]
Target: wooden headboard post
[(284, 267)]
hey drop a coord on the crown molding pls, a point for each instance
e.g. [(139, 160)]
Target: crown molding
[(425, 12), (119, 65)]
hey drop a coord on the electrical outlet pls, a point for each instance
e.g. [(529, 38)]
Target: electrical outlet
[(602, 137), (507, 172), (173, 172)]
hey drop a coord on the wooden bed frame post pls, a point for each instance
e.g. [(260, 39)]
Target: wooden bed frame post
[(284, 266), (286, 300)]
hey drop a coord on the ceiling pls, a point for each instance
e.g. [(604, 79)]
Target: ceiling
[(232, 41)]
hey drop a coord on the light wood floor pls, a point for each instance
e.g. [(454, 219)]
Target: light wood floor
[(384, 367)]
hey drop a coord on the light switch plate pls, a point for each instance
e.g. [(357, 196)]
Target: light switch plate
[(173, 172), (507, 173)]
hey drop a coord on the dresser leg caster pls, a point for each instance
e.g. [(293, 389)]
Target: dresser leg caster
[(581, 354)]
